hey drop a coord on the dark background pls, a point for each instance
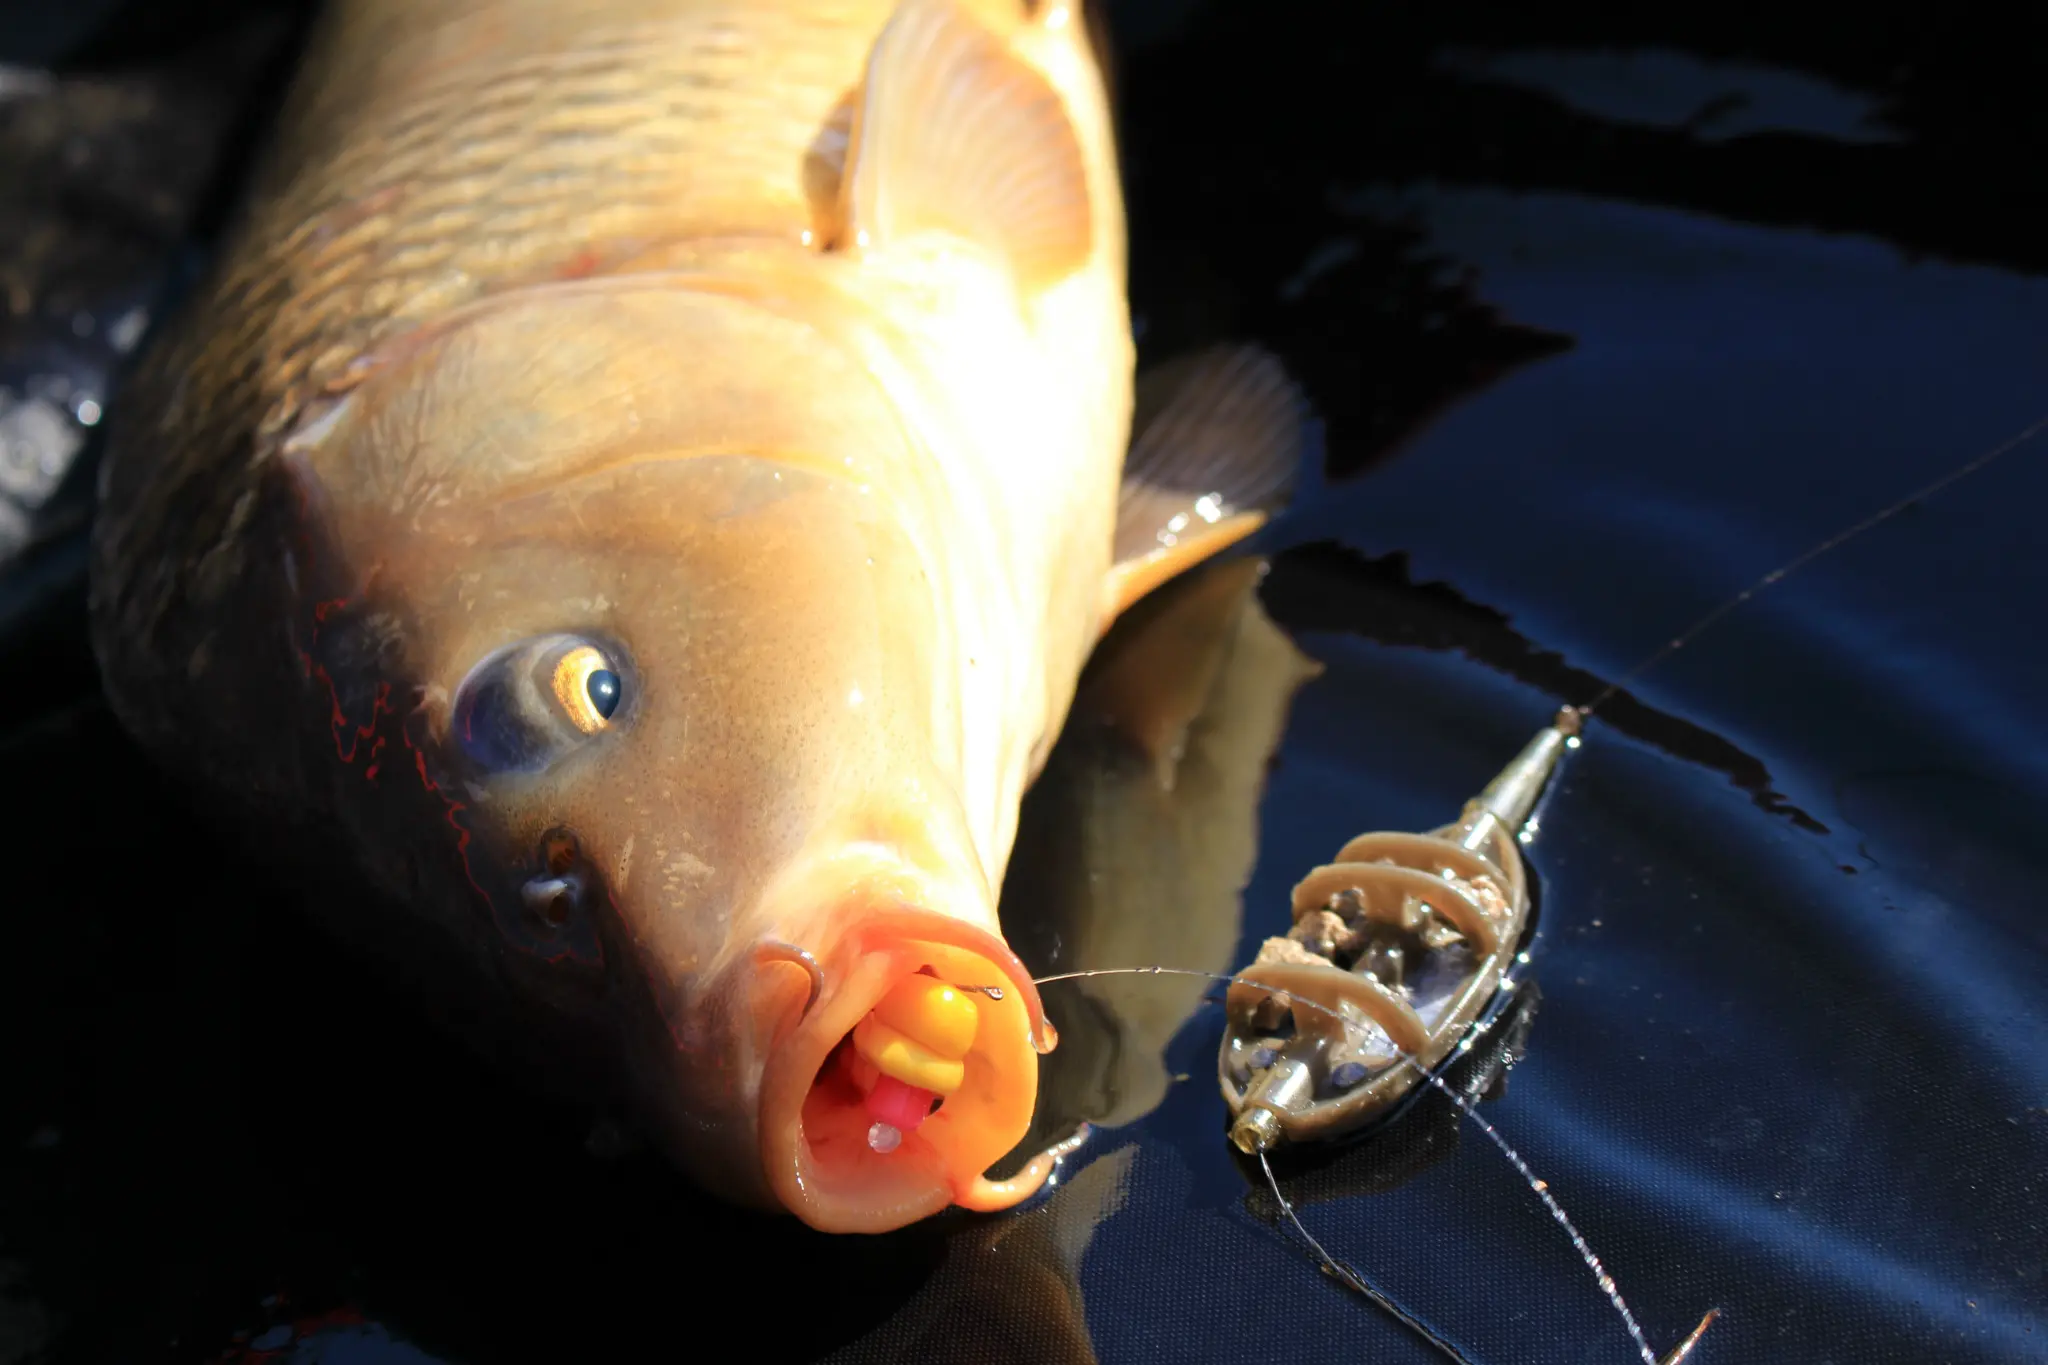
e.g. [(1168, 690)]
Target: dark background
[(1605, 317)]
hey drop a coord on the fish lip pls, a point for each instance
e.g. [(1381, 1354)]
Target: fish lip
[(875, 1194)]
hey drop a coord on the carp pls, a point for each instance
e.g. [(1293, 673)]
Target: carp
[(635, 496)]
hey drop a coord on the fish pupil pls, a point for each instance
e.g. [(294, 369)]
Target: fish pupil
[(603, 688)]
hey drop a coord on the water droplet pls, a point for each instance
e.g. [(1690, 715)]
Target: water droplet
[(884, 1137), (127, 329)]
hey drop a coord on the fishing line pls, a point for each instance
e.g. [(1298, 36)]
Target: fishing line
[(1343, 1272), (1806, 557), (1352, 1278)]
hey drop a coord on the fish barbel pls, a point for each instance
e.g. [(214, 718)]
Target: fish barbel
[(636, 494)]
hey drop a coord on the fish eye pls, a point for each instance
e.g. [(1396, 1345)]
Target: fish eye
[(525, 706), (587, 688)]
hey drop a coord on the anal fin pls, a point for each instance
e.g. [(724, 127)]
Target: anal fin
[(1218, 437), (955, 133)]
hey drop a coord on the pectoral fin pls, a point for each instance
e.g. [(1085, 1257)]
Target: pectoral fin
[(1219, 435), (955, 133)]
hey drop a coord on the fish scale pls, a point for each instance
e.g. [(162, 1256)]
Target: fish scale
[(473, 192), (673, 424), (318, 274)]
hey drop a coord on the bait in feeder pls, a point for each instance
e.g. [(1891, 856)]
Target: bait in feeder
[(1400, 947)]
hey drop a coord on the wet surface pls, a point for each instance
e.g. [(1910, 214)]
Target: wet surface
[(116, 167), (1598, 340)]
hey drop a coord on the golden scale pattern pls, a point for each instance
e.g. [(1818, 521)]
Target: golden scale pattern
[(376, 218), (520, 174)]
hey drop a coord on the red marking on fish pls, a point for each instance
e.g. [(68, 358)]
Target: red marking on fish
[(454, 807), (381, 710), (367, 730)]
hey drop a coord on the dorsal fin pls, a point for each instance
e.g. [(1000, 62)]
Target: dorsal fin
[(956, 133), (1219, 434)]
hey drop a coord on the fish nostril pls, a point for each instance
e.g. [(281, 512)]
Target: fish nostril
[(552, 900), (552, 897), (559, 851)]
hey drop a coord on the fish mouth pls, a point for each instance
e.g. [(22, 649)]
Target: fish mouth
[(817, 1148)]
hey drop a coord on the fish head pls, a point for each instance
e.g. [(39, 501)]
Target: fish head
[(676, 653)]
